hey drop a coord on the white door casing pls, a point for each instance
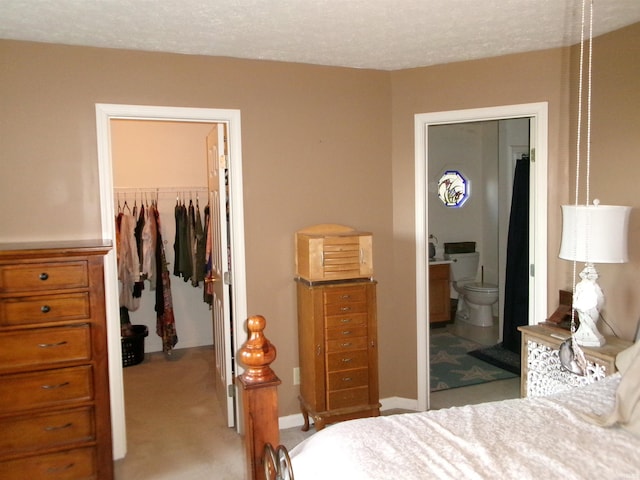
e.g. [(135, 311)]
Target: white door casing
[(104, 113), (538, 112)]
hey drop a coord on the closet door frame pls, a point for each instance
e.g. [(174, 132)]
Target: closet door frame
[(104, 114)]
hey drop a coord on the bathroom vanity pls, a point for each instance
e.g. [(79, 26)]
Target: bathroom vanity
[(439, 291)]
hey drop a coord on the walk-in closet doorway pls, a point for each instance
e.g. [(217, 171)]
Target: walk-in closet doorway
[(216, 164)]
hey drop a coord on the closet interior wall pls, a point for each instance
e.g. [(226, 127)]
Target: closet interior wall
[(165, 161)]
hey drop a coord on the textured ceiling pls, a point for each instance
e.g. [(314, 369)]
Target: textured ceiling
[(377, 34)]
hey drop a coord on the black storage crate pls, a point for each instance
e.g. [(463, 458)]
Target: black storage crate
[(460, 247), (133, 346)]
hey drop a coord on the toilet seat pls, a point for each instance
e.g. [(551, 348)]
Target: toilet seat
[(481, 287)]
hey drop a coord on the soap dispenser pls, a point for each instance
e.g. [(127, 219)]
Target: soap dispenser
[(432, 246)]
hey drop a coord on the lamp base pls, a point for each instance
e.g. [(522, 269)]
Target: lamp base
[(587, 301), (585, 337)]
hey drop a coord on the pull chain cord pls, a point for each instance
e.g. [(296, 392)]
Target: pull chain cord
[(578, 151), (589, 100), (571, 355)]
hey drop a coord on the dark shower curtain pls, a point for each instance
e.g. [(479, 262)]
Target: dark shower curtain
[(516, 290)]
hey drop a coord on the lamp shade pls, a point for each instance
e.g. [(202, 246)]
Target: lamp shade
[(595, 233)]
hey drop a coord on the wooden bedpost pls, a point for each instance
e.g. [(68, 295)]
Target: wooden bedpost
[(259, 396)]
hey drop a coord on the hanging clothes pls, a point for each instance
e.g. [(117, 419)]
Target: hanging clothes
[(207, 296), (128, 261), (182, 246), (198, 253), (138, 287), (149, 239), (165, 320), (191, 247), (516, 292)]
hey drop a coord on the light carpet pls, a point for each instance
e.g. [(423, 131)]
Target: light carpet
[(175, 426)]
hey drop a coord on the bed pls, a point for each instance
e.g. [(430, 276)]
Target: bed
[(564, 435)]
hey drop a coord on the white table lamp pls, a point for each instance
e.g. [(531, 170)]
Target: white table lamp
[(592, 234)]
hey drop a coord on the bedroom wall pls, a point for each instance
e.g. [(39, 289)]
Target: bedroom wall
[(320, 144), (508, 80), (615, 170), (315, 143), (551, 76)]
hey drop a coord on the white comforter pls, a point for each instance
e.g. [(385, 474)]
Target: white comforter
[(534, 438)]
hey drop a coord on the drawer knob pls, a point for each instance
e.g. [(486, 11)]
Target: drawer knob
[(45, 308), (347, 360), (345, 297), (345, 309), (346, 332), (346, 379), (57, 427), (53, 387), (44, 276), (345, 320), (51, 345), (346, 344)]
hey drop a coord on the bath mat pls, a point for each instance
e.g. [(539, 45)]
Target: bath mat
[(500, 357), (451, 366)]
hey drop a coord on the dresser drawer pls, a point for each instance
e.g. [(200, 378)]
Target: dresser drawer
[(45, 389), (347, 360), (346, 331), (43, 276), (74, 464), (351, 397), (345, 308), (348, 379), (345, 295), (346, 344), (44, 346), (44, 308), (346, 320), (23, 434)]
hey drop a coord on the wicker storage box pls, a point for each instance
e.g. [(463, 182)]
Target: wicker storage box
[(333, 252), (133, 346)]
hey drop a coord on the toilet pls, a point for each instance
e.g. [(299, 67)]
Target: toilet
[(475, 299)]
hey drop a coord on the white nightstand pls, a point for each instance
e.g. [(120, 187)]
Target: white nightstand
[(541, 371)]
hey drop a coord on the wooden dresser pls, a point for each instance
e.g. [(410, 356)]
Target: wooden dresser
[(338, 349), (542, 373), (54, 383)]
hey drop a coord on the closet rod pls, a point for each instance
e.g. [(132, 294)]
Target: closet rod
[(158, 190)]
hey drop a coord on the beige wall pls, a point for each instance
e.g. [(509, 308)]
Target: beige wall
[(320, 144), (315, 142), (615, 170), (508, 80)]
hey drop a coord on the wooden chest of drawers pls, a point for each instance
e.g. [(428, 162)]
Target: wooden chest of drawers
[(338, 351), (54, 395)]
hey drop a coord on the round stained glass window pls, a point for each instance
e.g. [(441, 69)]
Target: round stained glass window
[(453, 188)]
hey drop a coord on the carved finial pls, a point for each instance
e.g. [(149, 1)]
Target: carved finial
[(257, 353)]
